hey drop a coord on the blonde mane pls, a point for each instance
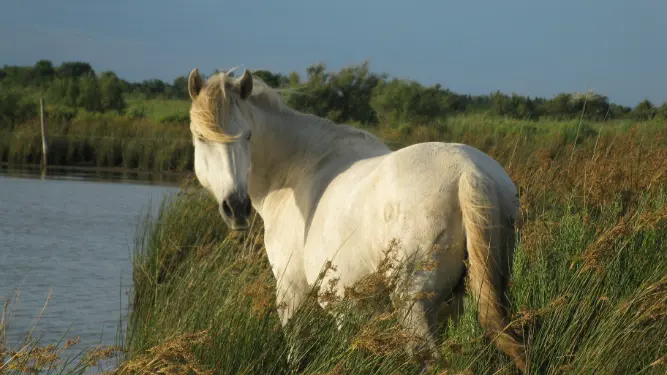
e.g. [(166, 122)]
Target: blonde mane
[(212, 105)]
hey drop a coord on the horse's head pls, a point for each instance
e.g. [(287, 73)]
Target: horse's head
[(221, 134)]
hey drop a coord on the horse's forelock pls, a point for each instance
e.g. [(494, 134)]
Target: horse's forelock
[(212, 104), (208, 107)]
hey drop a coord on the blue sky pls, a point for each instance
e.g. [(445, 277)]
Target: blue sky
[(531, 47)]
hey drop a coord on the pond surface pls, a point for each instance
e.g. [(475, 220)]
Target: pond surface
[(68, 238)]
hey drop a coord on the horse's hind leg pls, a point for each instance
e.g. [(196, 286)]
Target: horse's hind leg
[(451, 306), (417, 311), (418, 319), (431, 291), (425, 314)]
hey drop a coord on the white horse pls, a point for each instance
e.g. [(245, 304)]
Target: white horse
[(330, 192)]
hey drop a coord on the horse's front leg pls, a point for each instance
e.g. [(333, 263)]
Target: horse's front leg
[(288, 300), (291, 291)]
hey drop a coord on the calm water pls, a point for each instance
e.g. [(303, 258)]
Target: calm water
[(72, 235)]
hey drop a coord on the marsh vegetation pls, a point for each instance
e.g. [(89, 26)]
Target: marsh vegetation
[(589, 289)]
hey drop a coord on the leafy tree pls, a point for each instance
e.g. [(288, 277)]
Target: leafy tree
[(294, 79), (400, 100), (14, 109), (618, 111), (75, 69), (352, 94), (275, 80), (390, 100), (453, 102), (645, 110), (43, 72), (559, 106), (17, 75), (64, 91), (597, 106), (591, 105), (180, 87), (111, 92), (662, 111), (90, 95), (313, 96)]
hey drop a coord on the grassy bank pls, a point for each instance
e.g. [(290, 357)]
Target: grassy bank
[(589, 286)]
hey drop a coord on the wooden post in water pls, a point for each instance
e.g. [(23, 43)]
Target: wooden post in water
[(45, 146)]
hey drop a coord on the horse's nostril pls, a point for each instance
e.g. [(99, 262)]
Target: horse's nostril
[(226, 209)]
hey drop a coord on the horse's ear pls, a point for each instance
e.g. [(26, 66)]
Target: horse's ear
[(245, 84), (194, 83)]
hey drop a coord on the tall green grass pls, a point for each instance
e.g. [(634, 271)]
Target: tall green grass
[(97, 140), (589, 288), (153, 135), (159, 110)]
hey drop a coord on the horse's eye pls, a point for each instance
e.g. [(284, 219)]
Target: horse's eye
[(249, 135)]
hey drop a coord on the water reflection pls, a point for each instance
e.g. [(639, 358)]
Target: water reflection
[(96, 175)]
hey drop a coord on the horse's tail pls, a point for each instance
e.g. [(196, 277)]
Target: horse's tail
[(488, 271)]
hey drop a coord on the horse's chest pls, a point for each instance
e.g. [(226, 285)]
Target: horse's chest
[(283, 229)]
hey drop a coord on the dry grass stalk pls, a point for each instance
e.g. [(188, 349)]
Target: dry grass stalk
[(3, 332), (174, 356), (380, 340), (536, 236), (100, 353), (34, 359), (611, 240), (262, 295), (529, 317), (653, 306)]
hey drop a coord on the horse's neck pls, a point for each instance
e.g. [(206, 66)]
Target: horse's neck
[(291, 151)]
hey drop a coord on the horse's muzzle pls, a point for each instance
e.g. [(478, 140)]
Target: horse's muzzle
[(235, 211)]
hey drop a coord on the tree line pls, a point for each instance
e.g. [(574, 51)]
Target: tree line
[(354, 94)]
